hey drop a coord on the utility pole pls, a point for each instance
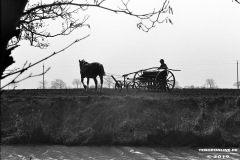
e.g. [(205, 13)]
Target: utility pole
[(237, 77), (43, 78)]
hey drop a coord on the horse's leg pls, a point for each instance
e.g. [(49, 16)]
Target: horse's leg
[(101, 80), (95, 81), (87, 83), (82, 80)]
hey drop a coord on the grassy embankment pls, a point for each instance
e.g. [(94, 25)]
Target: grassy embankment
[(75, 117)]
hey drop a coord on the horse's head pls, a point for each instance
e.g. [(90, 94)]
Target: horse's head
[(82, 62)]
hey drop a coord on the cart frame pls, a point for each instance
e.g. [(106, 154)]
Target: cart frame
[(150, 79)]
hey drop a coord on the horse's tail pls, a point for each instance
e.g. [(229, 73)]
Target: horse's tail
[(102, 70)]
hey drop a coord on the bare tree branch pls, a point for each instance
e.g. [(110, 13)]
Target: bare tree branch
[(31, 65), (34, 29), (237, 1), (26, 67)]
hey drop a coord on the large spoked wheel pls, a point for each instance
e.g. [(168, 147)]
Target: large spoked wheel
[(140, 85), (131, 87), (165, 81), (140, 82), (170, 81), (118, 85), (137, 76)]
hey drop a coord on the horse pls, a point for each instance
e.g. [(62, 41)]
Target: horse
[(91, 70)]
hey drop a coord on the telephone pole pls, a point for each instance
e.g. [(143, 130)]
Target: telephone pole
[(237, 77), (43, 78)]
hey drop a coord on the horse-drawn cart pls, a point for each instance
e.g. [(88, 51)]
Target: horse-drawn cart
[(150, 79)]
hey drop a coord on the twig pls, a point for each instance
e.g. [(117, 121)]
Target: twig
[(54, 53), (24, 68)]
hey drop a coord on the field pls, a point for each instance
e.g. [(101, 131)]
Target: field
[(184, 117)]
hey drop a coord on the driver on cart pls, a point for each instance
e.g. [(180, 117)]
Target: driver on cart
[(163, 74), (163, 65)]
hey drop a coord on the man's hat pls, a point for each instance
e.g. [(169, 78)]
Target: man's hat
[(161, 60)]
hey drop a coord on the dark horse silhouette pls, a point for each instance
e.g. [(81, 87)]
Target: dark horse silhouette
[(91, 70)]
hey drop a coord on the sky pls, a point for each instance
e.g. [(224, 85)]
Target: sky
[(203, 42)]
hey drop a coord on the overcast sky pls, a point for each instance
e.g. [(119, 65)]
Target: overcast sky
[(203, 42)]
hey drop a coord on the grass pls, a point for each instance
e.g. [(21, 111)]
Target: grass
[(75, 117)]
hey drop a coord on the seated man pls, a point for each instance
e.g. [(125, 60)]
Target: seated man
[(163, 65)]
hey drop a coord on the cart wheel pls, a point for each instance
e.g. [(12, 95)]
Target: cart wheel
[(131, 87), (143, 86), (165, 84), (137, 75), (138, 83), (118, 85)]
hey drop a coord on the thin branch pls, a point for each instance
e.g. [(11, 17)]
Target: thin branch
[(95, 5), (31, 65), (31, 76), (25, 67), (14, 81), (33, 18), (237, 1)]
